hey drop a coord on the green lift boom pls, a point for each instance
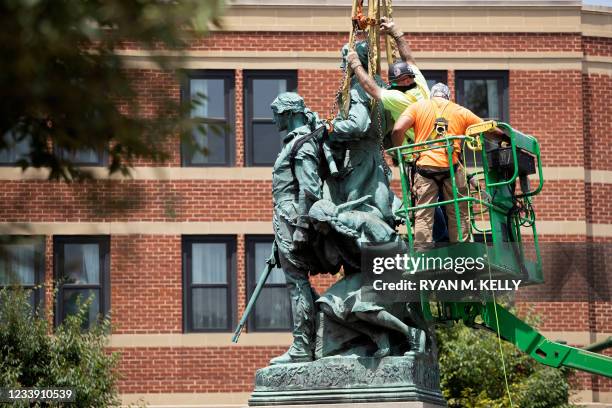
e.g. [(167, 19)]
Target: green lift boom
[(506, 162)]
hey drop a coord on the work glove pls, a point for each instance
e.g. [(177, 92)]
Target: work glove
[(353, 60), (387, 26)]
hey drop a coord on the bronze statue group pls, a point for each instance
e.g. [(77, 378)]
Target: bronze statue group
[(331, 193)]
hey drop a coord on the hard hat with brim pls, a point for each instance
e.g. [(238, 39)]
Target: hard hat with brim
[(400, 70)]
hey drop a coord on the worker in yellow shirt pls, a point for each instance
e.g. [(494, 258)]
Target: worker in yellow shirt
[(407, 83)]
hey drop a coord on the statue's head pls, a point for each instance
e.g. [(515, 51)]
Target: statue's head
[(361, 47), (286, 105)]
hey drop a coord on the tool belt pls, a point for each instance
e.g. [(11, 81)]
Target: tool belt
[(437, 175)]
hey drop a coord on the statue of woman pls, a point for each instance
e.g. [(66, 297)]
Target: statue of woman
[(348, 226)]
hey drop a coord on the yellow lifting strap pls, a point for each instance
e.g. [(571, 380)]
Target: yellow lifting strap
[(373, 38), (346, 86), (391, 47), (371, 25)]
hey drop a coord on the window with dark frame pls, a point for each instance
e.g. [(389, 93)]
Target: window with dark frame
[(486, 94), (211, 142), (262, 139), (209, 293), (435, 76), (272, 311), (17, 148), (22, 263), (483, 92), (82, 272), (84, 157)]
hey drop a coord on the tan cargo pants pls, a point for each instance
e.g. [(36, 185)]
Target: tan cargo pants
[(426, 191)]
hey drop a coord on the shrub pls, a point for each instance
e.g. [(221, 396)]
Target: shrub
[(472, 374), (32, 355)]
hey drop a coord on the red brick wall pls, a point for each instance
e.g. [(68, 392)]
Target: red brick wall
[(192, 369), (137, 200), (239, 128), (561, 316), (597, 90), (154, 90), (241, 284), (601, 46), (216, 200), (319, 87), (331, 41), (566, 110), (548, 104), (49, 279), (146, 284), (599, 206)]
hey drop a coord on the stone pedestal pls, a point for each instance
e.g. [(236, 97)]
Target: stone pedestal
[(412, 404), (349, 380)]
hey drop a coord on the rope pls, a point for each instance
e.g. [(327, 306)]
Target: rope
[(499, 341)]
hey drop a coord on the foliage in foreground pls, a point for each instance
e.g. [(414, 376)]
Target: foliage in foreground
[(472, 375), (71, 357), (64, 80)]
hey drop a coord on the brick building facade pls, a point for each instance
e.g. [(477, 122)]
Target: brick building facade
[(172, 251)]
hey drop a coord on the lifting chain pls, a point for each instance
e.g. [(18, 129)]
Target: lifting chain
[(335, 107), (359, 24), (377, 112)]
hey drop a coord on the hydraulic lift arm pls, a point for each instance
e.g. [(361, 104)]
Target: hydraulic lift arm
[(529, 340)]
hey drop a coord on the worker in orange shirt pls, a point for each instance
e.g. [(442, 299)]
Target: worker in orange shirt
[(432, 166)]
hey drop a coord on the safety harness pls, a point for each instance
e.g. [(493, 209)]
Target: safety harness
[(441, 121)]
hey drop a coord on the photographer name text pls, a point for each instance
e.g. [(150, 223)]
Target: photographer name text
[(449, 284)]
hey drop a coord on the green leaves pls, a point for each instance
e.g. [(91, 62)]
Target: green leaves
[(31, 356), (472, 374), (64, 83)]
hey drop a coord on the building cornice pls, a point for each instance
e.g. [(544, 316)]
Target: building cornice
[(453, 16), (459, 19), (511, 60), (596, 21), (577, 228), (398, 4), (281, 339), (260, 174)]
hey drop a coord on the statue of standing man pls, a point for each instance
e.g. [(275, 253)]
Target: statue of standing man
[(357, 144), (296, 184)]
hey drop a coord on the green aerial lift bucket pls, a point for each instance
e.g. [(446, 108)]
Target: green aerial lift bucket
[(504, 221)]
